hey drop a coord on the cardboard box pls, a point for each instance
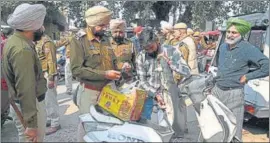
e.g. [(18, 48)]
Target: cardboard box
[(126, 106)]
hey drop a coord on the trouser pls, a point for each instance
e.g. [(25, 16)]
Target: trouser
[(41, 117), (52, 106), (234, 100), (85, 98), (68, 76)]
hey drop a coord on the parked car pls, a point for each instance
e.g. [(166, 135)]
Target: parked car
[(256, 91)]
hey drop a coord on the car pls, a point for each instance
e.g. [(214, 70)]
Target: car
[(257, 90)]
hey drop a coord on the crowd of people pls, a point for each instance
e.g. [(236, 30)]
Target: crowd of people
[(94, 59)]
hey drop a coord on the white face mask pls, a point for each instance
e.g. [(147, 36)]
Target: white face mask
[(232, 41)]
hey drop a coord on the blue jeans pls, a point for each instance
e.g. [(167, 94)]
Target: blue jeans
[(147, 108)]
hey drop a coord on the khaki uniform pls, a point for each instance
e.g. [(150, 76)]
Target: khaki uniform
[(68, 74), (188, 48), (26, 83), (47, 54), (124, 53), (89, 59)]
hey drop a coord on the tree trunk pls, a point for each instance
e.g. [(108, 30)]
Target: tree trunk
[(162, 10)]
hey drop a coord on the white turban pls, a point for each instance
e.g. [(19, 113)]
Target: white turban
[(166, 25), (27, 17), (117, 24)]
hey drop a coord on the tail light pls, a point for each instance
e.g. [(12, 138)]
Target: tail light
[(250, 109)]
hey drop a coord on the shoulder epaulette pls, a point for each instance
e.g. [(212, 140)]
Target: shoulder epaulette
[(80, 34)]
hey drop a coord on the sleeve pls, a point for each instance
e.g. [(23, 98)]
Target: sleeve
[(77, 60), (260, 60), (142, 75), (185, 52), (50, 52), (23, 64)]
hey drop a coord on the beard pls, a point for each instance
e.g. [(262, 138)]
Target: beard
[(119, 40), (233, 41), (99, 34)]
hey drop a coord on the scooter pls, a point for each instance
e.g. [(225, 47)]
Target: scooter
[(216, 122), (100, 126)]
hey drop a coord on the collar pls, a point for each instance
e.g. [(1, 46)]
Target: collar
[(90, 35), (30, 42)]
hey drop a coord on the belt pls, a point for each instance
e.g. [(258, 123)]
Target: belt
[(39, 98), (88, 86), (227, 88)]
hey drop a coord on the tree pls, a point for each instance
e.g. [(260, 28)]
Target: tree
[(247, 7)]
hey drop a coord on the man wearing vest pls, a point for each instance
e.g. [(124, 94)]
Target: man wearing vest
[(186, 45), (46, 51), (23, 73), (122, 47), (92, 59)]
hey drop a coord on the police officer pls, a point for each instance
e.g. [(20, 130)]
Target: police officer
[(122, 47), (23, 72), (186, 45), (46, 50), (92, 59)]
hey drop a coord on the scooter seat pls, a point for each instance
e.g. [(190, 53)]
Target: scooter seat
[(99, 117)]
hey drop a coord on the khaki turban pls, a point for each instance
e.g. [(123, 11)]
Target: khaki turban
[(190, 31), (98, 15), (27, 17), (117, 24), (180, 26), (242, 26), (166, 25)]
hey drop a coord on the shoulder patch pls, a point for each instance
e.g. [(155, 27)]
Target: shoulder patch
[(80, 34)]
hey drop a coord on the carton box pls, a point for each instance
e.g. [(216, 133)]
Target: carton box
[(125, 106)]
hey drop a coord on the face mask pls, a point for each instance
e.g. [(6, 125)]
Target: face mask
[(118, 39), (153, 54), (37, 35)]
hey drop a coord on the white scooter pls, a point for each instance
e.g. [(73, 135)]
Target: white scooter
[(216, 121), (100, 126)]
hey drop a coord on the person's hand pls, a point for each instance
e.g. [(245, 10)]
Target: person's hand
[(31, 134), (160, 101), (51, 84), (126, 66), (112, 75), (243, 79)]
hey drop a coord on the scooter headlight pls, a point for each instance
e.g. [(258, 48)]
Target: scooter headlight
[(94, 126)]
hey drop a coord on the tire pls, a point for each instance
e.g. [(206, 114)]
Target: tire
[(179, 121)]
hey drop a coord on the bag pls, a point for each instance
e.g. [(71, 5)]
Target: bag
[(126, 103)]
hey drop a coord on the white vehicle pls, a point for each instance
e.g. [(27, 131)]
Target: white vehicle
[(216, 121), (256, 91)]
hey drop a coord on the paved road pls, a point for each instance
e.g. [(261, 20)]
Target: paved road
[(69, 122)]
